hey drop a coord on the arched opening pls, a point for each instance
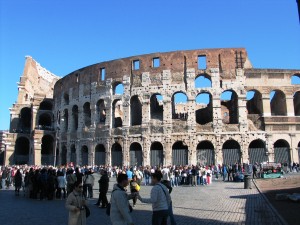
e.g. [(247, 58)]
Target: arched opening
[(73, 158), (136, 154), (135, 111), (257, 152), (295, 79), (205, 153), (65, 119), (87, 114), (75, 117), (156, 154), (254, 102), (66, 98), (45, 105), (45, 121), (47, 151), (229, 107), (204, 109), (118, 113), (203, 81), (179, 153), (64, 155), (100, 155), (84, 155), (118, 88), (116, 155), (231, 152), (21, 153), (282, 152), (25, 120), (101, 111), (278, 103), (156, 107), (179, 106), (297, 103)]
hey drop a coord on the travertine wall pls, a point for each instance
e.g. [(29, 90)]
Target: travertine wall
[(89, 114)]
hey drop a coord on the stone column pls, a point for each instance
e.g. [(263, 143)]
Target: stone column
[(266, 105), (290, 105)]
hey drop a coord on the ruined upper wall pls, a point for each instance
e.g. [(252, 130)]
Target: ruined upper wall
[(35, 81), (227, 60)]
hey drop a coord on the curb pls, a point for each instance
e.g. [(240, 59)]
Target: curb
[(282, 220)]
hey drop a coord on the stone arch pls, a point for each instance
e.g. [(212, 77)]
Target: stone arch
[(136, 154), (64, 155), (254, 102), (135, 111), (295, 79), (179, 153), (203, 81), (116, 155), (179, 106), (46, 105), (75, 117), (231, 152), (25, 120), (204, 109), (229, 107), (47, 150), (296, 101), (21, 153), (156, 107), (257, 151), (45, 121), (205, 153), (73, 158), (87, 114), (156, 154), (84, 155), (117, 113), (118, 88), (100, 155), (278, 103), (66, 120), (101, 111), (282, 151)]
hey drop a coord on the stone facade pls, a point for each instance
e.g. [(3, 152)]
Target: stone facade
[(96, 123)]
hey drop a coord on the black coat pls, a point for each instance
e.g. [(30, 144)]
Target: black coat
[(103, 183)]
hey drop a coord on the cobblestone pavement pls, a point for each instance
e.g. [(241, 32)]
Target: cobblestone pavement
[(218, 203)]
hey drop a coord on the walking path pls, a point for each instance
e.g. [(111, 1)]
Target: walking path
[(218, 203)]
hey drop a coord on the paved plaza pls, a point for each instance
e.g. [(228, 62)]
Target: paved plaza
[(218, 203)]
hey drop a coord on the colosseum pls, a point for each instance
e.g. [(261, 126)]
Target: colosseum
[(207, 106)]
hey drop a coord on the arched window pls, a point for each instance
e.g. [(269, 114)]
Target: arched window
[(254, 102), (156, 154), (257, 152), (205, 153), (117, 113), (156, 107), (66, 98), (136, 154), (47, 151), (118, 88), (25, 120), (231, 152), (203, 81), (65, 119), (278, 103), (73, 158), (84, 155), (21, 153), (136, 111), (101, 111), (45, 121), (116, 155), (100, 155), (87, 114), (179, 106), (75, 117), (297, 103), (295, 80), (63, 155), (229, 107), (179, 153), (282, 152), (204, 110), (45, 105)]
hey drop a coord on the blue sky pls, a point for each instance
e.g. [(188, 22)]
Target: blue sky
[(66, 35)]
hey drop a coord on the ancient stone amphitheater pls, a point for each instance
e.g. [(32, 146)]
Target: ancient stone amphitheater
[(184, 107)]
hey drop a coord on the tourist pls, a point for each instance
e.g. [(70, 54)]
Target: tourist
[(18, 182), (103, 189), (134, 188), (119, 211), (76, 205), (61, 185), (160, 200)]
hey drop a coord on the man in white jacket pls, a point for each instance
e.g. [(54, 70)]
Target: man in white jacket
[(119, 211)]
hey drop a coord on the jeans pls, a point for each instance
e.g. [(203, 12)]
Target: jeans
[(176, 181), (147, 180), (160, 217), (172, 182)]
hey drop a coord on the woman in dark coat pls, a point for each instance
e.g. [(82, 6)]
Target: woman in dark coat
[(18, 182)]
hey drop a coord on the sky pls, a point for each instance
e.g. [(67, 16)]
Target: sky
[(64, 36)]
